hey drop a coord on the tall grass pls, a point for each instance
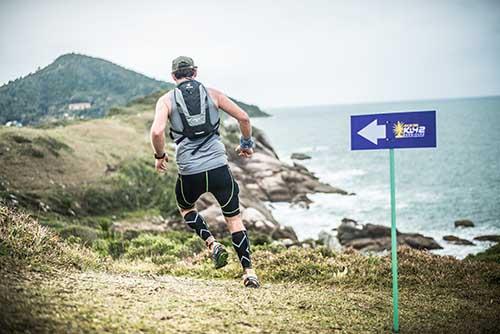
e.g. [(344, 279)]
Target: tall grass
[(25, 243)]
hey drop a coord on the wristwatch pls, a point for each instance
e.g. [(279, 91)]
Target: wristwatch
[(161, 156), (246, 143)]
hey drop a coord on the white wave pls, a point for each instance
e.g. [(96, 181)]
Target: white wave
[(339, 176)]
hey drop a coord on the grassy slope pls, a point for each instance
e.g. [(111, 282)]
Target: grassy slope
[(47, 286), (60, 166), (82, 149)]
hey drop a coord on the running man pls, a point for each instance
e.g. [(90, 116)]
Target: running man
[(192, 111)]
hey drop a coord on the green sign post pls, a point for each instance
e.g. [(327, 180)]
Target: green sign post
[(394, 245), (390, 131)]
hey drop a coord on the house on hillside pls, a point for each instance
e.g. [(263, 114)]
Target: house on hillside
[(79, 106), (17, 124)]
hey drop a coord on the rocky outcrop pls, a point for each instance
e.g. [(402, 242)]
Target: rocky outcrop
[(464, 223), (491, 237), (376, 238), (269, 179), (301, 201), (457, 241), (300, 156)]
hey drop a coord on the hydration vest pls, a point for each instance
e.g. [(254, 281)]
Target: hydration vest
[(194, 106)]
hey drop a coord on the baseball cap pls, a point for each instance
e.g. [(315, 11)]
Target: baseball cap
[(182, 62)]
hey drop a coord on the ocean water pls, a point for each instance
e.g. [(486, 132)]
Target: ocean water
[(460, 179)]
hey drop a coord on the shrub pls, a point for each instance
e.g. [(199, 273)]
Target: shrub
[(492, 254), (85, 234), (167, 248), (149, 246), (136, 186), (116, 248), (101, 247)]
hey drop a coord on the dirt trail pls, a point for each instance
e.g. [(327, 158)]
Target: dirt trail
[(103, 302)]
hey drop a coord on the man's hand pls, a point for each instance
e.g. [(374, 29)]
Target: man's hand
[(161, 164), (244, 152)]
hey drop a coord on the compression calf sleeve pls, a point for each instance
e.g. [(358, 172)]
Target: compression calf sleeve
[(242, 247), (197, 223)]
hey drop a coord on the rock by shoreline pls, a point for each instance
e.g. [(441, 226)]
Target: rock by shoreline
[(464, 223), (490, 237), (457, 241), (269, 179), (377, 238), (300, 156)]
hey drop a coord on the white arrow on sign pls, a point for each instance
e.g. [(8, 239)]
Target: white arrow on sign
[(373, 132)]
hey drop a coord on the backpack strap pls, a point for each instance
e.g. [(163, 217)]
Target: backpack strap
[(178, 140)]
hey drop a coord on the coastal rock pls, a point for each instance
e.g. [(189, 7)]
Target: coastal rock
[(464, 223), (275, 188), (255, 220), (376, 238), (269, 179), (300, 168), (284, 232), (300, 156), (263, 143), (329, 240), (491, 237), (457, 241), (326, 188), (301, 200)]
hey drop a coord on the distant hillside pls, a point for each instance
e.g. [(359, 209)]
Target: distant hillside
[(68, 83), (251, 109), (77, 86)]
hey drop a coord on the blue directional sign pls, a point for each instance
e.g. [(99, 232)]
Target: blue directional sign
[(393, 130), (390, 131)]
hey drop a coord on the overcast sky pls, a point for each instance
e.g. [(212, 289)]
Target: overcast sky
[(273, 53)]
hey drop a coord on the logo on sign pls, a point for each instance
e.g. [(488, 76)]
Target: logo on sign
[(402, 130)]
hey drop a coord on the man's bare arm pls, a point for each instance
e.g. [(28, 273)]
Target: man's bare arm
[(234, 110), (158, 133)]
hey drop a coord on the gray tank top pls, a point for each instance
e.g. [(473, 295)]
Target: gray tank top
[(211, 155)]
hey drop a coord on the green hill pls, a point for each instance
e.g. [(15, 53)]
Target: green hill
[(70, 79), (75, 86)]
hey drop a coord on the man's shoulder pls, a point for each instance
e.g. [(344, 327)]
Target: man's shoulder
[(166, 96), (165, 99), (214, 94), (214, 91)]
